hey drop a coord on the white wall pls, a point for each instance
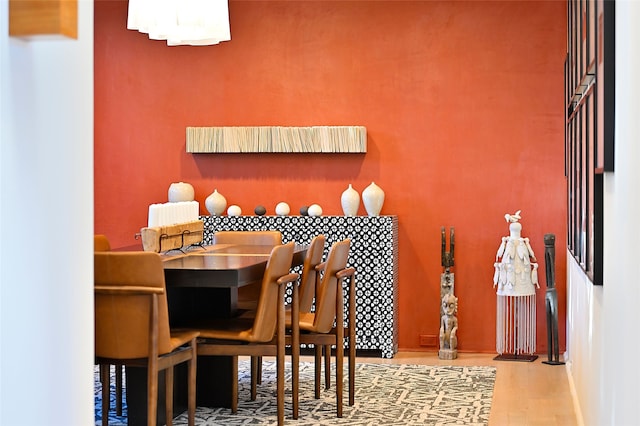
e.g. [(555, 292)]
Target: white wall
[(603, 322), (46, 227)]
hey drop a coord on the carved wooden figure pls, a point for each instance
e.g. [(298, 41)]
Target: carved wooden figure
[(449, 328), (551, 301)]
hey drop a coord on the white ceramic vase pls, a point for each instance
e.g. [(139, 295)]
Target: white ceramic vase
[(350, 201), (215, 203), (373, 198), (180, 191)]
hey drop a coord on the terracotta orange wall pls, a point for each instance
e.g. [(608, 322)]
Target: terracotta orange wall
[(463, 104)]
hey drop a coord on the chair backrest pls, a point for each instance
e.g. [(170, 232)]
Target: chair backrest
[(122, 321), (101, 243), (266, 238), (265, 321), (309, 273), (325, 314)]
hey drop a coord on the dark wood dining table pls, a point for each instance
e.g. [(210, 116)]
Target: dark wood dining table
[(202, 285)]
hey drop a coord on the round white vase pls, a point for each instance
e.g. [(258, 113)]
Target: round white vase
[(215, 203), (180, 191), (350, 201), (373, 198)]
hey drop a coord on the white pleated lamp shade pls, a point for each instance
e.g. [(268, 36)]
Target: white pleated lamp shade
[(181, 22)]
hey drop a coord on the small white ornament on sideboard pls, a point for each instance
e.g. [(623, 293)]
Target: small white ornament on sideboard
[(282, 209), (234, 210), (314, 210)]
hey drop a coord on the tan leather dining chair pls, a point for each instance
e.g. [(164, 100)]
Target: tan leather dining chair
[(306, 294), (263, 335), (101, 243), (317, 328), (248, 294), (132, 327)]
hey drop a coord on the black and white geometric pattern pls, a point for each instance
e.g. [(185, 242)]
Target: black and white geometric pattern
[(374, 254), (386, 394)]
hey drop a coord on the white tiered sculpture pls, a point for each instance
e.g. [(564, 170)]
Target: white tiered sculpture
[(516, 279)]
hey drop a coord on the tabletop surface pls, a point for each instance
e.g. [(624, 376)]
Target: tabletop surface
[(220, 257)]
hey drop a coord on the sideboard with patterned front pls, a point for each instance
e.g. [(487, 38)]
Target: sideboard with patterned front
[(374, 255)]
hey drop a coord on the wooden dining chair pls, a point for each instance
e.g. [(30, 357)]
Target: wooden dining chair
[(132, 327), (324, 327), (101, 243), (306, 288), (248, 294), (262, 335)]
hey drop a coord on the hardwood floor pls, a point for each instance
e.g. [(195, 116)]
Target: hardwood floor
[(525, 394)]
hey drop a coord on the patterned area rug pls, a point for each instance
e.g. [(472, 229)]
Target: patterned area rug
[(386, 394)]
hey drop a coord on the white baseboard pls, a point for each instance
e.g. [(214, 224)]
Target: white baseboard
[(574, 394)]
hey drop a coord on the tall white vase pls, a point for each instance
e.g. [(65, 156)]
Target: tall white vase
[(215, 203), (373, 198), (350, 201)]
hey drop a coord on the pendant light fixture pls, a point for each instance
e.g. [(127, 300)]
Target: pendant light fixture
[(181, 22)]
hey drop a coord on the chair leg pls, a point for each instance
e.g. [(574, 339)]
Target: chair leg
[(317, 364), (234, 384), (191, 398), (327, 366), (118, 369), (339, 374), (168, 395), (352, 369), (295, 351), (104, 378), (259, 371), (280, 354), (295, 380), (351, 333), (280, 388), (152, 393), (255, 362)]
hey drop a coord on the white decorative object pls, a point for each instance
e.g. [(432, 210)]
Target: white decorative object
[(516, 278), (515, 274), (373, 198), (282, 209), (215, 203), (180, 191), (314, 210), (173, 213), (180, 22), (350, 201), (234, 210)]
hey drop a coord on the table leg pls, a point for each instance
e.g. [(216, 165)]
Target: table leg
[(193, 306)]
